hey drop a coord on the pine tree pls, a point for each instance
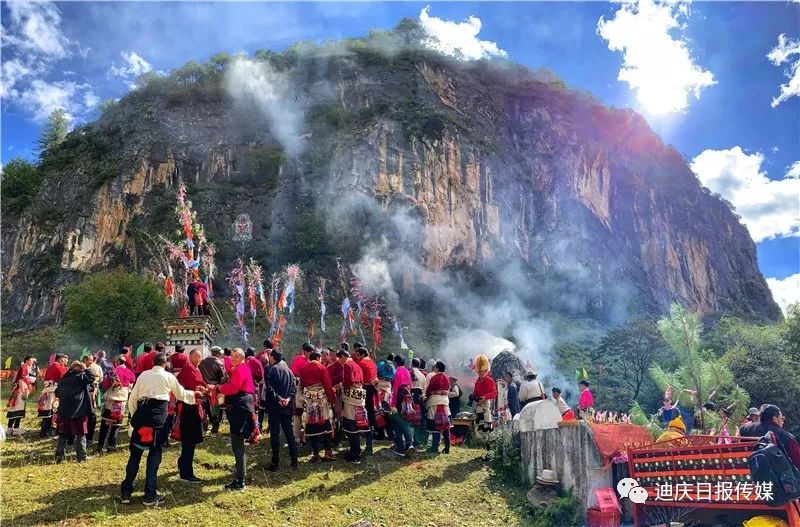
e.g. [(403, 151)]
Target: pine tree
[(701, 376), (54, 131)]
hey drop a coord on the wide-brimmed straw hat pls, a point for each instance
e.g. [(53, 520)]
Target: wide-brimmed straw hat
[(548, 477)]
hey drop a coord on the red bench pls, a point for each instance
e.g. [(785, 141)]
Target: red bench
[(697, 472)]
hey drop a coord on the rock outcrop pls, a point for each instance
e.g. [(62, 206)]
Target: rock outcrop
[(494, 165)]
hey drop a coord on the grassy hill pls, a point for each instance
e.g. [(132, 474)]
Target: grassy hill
[(425, 491)]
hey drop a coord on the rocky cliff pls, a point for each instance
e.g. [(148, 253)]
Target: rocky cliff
[(463, 166)]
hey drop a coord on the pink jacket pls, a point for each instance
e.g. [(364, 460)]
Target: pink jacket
[(402, 377), (241, 380)]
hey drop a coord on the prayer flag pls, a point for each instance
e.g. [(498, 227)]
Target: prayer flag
[(140, 349), (84, 352), (8, 363)]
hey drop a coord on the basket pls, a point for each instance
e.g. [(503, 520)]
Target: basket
[(608, 518)]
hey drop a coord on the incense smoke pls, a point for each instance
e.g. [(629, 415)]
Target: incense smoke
[(257, 84)]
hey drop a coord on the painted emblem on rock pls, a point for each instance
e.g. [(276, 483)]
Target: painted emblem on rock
[(242, 228)]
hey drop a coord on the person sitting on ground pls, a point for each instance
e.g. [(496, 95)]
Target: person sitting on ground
[(531, 389), (74, 406), (772, 420), (676, 429)]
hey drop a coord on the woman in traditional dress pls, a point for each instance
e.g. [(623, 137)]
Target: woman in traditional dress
[(74, 406), (22, 387), (319, 398), (438, 408), (116, 388)]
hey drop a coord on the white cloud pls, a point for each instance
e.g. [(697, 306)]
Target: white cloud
[(785, 291), (768, 208), (793, 170), (133, 66), (42, 98), (782, 54), (36, 29), (459, 39), (656, 64), (32, 43)]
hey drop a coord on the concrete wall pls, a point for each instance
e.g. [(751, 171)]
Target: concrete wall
[(571, 452)]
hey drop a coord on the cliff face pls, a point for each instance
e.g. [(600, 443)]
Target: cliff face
[(493, 166)]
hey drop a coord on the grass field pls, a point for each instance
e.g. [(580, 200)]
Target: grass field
[(445, 490)]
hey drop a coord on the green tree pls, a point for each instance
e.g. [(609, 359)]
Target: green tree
[(622, 362), (701, 376), (19, 184), (189, 73), (409, 31), (791, 333), (115, 307), (770, 377), (219, 61), (54, 131)]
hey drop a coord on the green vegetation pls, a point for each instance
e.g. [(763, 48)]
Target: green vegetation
[(445, 490), (563, 512), (115, 308), (54, 131), (261, 165), (20, 182), (700, 376)]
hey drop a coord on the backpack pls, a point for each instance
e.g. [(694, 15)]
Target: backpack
[(770, 463)]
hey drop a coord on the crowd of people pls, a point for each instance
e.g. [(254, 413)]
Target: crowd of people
[(322, 397)]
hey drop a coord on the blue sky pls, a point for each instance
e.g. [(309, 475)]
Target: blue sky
[(740, 143)]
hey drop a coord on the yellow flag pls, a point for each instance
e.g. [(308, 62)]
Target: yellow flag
[(8, 363)]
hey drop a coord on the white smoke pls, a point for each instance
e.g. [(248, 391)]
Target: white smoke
[(257, 84)]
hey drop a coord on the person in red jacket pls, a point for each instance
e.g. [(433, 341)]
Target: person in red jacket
[(53, 374), (438, 408), (319, 397), (374, 411), (354, 412), (190, 417), (484, 394), (298, 363), (239, 397), (178, 359), (22, 387), (144, 361)]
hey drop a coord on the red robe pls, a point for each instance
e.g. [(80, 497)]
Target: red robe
[(485, 387), (54, 372), (298, 363), (351, 374), (315, 373), (336, 371), (368, 369), (438, 382), (190, 377)]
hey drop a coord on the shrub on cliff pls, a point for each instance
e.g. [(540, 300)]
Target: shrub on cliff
[(115, 307), (21, 181)]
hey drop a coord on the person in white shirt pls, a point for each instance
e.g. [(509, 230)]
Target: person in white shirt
[(148, 408), (563, 407), (530, 390)]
